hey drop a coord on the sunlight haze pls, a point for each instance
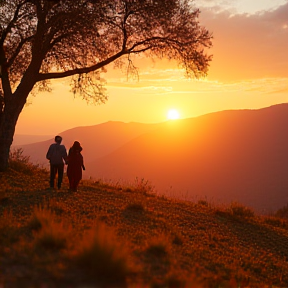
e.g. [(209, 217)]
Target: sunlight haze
[(248, 71), (144, 143), (173, 114), (243, 6)]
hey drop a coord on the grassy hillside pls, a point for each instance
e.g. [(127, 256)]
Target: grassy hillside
[(111, 236)]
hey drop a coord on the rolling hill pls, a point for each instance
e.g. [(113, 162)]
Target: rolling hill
[(97, 140), (237, 155), (20, 139), (225, 156), (112, 236)]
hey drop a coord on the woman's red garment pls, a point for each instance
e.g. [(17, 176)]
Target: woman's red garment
[(74, 169)]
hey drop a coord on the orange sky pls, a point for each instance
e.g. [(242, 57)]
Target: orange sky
[(249, 70)]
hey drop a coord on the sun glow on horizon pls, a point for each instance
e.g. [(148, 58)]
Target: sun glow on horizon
[(173, 114)]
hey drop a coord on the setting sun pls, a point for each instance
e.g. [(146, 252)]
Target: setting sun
[(173, 114)]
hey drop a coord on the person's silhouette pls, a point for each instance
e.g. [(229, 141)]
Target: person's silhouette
[(75, 166), (57, 155)]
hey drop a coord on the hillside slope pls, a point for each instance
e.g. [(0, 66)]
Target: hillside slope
[(167, 243), (97, 140), (226, 156), (20, 139)]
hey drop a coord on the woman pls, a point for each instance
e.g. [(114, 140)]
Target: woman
[(75, 166)]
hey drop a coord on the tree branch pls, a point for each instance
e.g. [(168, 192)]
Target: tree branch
[(4, 74), (146, 41), (125, 37), (18, 49), (57, 75), (11, 23)]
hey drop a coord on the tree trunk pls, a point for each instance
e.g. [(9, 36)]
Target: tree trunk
[(8, 120)]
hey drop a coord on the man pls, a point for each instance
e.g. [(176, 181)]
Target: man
[(57, 155)]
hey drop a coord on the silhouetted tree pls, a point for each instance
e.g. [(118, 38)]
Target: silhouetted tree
[(42, 40)]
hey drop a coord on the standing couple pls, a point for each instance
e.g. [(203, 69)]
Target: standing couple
[(57, 155)]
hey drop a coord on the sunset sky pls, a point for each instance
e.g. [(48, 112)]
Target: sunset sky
[(249, 70)]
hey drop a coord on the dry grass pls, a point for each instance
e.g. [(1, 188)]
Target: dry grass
[(104, 236), (100, 257), (283, 213), (50, 233)]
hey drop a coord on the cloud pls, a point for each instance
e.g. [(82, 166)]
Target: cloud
[(245, 47), (241, 6), (248, 46), (158, 81), (279, 15)]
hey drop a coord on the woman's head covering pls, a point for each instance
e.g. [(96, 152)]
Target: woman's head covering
[(76, 146)]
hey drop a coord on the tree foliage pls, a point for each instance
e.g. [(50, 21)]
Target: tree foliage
[(42, 40)]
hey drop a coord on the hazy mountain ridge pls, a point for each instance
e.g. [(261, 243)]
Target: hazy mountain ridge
[(97, 140), (239, 155), (234, 155), (22, 139)]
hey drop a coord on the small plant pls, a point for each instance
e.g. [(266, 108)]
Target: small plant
[(8, 231), (101, 258), (174, 281), (157, 250), (177, 240), (283, 212), (49, 233), (158, 247), (143, 186), (35, 223), (20, 162), (276, 221), (239, 210), (41, 216), (3, 195), (135, 207), (52, 237), (203, 203)]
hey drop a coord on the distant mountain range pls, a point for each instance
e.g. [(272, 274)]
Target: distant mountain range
[(237, 155), (97, 141), (20, 139)]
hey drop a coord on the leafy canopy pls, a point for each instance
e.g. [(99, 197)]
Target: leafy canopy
[(49, 39)]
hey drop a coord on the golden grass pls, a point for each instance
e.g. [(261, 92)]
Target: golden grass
[(106, 236), (49, 233), (100, 257)]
